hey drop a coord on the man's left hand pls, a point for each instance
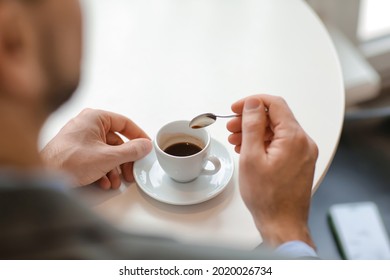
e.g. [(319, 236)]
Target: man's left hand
[(90, 149)]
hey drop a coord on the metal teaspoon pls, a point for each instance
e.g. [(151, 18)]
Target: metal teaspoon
[(207, 119)]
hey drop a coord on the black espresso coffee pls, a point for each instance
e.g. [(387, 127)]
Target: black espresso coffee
[(183, 149)]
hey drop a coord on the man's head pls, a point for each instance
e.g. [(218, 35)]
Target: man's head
[(40, 52)]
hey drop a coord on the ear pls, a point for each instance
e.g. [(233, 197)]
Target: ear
[(20, 69)]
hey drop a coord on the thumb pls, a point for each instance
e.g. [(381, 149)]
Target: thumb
[(254, 123), (131, 151)]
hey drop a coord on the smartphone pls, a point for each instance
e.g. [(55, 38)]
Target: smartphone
[(359, 231)]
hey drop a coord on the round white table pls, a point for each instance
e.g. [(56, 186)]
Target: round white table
[(156, 61)]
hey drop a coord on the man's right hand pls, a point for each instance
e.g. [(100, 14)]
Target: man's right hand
[(277, 162)]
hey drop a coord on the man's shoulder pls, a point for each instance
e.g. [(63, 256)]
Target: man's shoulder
[(44, 223), (39, 222)]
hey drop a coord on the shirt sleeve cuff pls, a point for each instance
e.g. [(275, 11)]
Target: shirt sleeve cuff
[(296, 249)]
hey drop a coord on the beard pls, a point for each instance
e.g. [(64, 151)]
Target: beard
[(58, 93), (59, 88), (61, 83)]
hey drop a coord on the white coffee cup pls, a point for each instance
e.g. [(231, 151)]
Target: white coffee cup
[(185, 168)]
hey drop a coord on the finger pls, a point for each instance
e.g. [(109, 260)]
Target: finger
[(235, 139), (238, 106), (104, 183), (237, 149), (234, 125), (269, 134), (127, 171), (278, 110), (254, 124), (129, 152), (267, 144), (121, 124), (113, 139), (114, 178), (126, 168)]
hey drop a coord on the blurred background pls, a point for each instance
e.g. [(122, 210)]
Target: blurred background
[(360, 171)]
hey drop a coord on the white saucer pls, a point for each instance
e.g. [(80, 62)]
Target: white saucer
[(154, 182)]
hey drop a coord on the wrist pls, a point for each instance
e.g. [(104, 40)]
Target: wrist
[(277, 234), (49, 157)]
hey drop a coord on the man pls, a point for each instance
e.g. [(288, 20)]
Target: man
[(40, 53)]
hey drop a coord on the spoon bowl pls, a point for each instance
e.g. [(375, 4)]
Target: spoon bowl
[(207, 119)]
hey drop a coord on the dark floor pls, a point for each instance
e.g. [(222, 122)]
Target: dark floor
[(360, 172)]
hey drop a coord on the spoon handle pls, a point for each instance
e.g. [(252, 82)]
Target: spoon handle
[(229, 116)]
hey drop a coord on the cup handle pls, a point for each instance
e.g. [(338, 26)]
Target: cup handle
[(217, 166)]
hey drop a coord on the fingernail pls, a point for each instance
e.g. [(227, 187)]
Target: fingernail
[(147, 145), (251, 104)]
